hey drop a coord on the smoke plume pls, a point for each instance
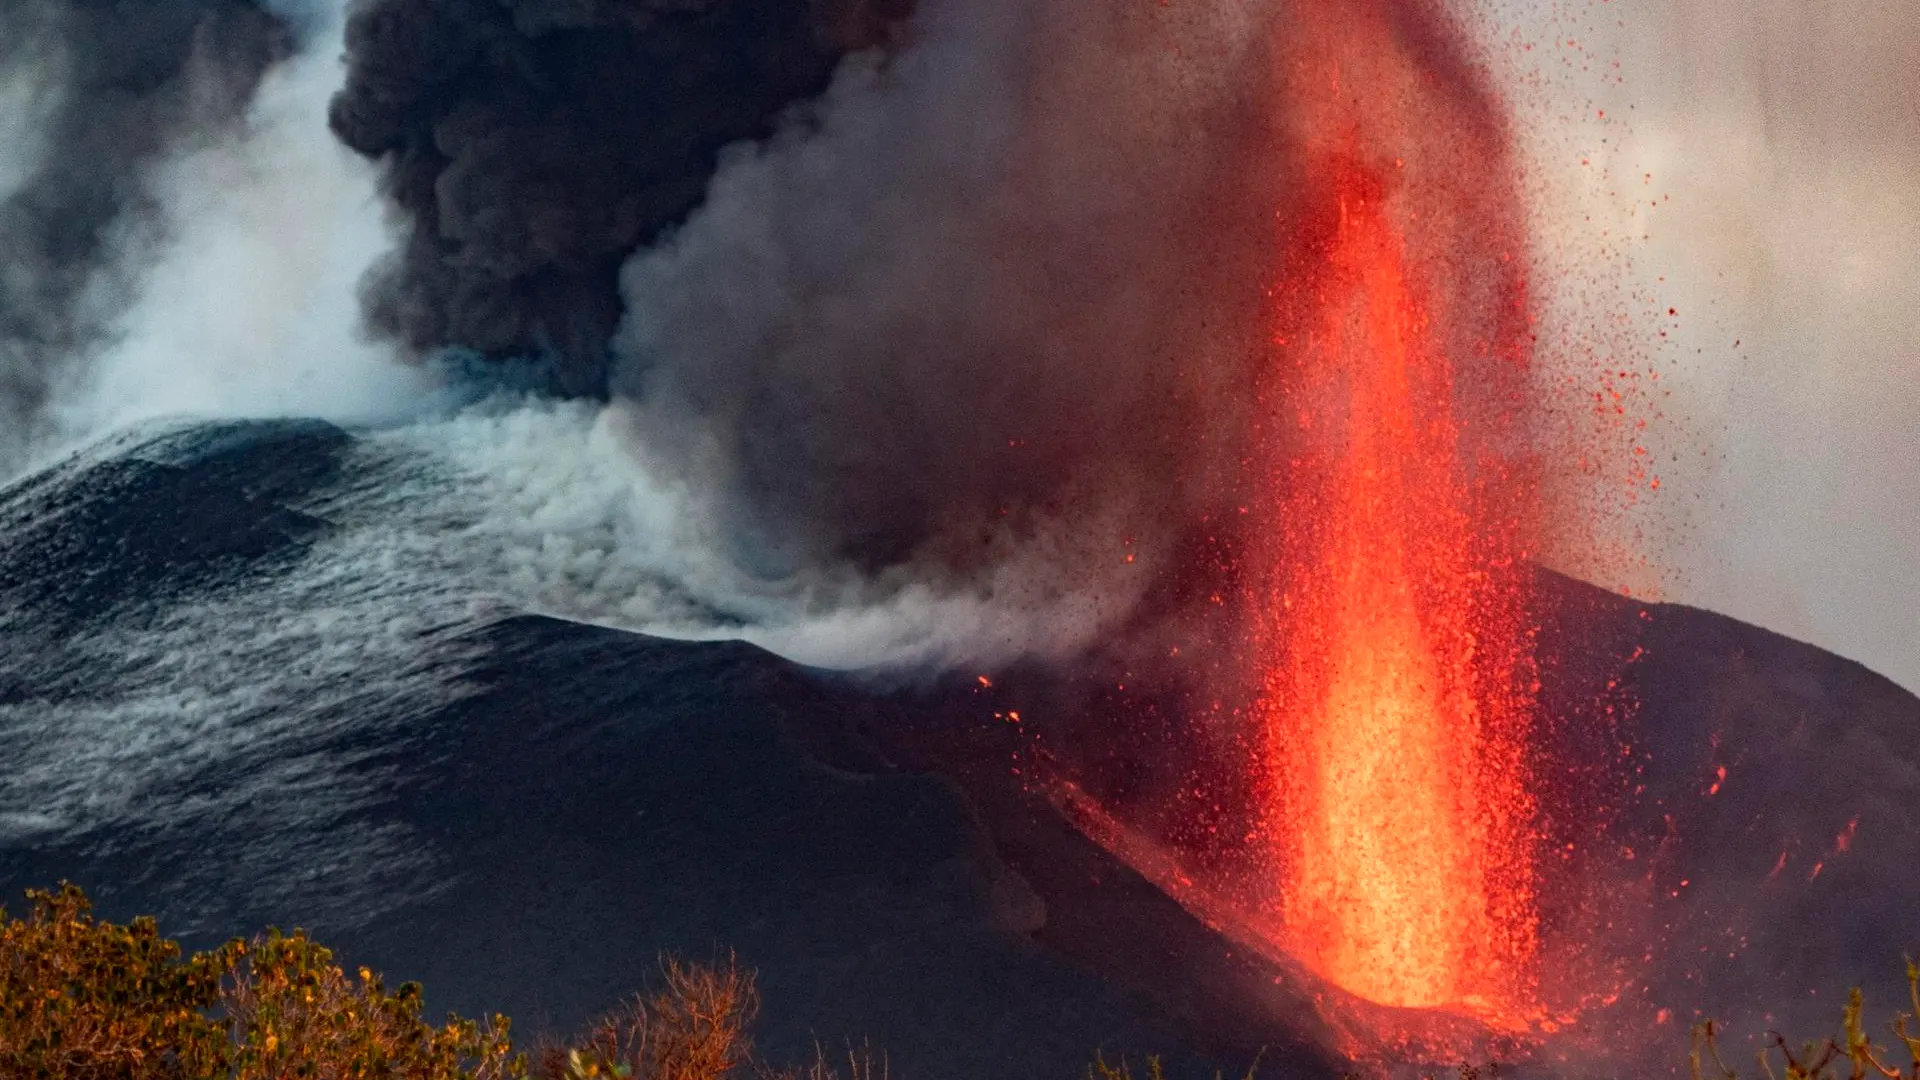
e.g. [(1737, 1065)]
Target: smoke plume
[(530, 146), (103, 92), (972, 310), (992, 293), (982, 286), (250, 306)]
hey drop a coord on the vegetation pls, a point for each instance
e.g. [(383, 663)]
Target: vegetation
[(1853, 1050), (1100, 1070), (84, 999), (696, 1027)]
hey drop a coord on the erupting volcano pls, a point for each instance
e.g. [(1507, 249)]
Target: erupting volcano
[(1395, 683), (1046, 528), (1391, 716)]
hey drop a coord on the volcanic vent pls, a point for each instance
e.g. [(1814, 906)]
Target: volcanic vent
[(1388, 619), (1364, 808)]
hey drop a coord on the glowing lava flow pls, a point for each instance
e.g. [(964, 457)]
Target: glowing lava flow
[(1395, 693)]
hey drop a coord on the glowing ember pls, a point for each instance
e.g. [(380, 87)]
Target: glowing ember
[(1387, 773), (1388, 496), (1395, 689)]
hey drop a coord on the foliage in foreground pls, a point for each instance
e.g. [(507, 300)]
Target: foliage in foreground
[(1100, 1070), (84, 999), (1853, 1050)]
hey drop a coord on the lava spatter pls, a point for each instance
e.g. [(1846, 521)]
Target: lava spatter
[(1388, 614)]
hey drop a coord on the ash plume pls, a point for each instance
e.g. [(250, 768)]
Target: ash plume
[(1000, 295), (989, 294), (103, 93), (530, 146), (969, 312)]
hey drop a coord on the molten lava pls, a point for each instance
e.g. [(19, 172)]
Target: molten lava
[(1391, 772), (1395, 680), (1350, 795)]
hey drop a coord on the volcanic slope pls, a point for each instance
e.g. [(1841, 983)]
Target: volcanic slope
[(214, 707), (1729, 825), (224, 703)]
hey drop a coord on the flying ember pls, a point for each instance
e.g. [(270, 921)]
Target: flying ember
[(1395, 679)]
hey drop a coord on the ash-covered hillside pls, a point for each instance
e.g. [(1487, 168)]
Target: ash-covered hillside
[(221, 701)]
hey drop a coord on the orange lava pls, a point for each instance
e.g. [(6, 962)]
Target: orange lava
[(1395, 680)]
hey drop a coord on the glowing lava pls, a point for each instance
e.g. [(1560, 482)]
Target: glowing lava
[(1395, 687)]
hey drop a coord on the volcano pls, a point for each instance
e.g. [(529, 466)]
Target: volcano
[(1147, 412), (215, 711)]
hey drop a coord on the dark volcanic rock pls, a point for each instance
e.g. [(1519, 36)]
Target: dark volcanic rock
[(520, 812), (605, 796), (182, 513), (1762, 839), (1730, 823), (218, 707)]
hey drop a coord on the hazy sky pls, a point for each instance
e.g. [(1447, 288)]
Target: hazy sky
[(1754, 165)]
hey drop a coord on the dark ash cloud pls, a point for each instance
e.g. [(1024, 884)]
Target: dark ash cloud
[(531, 146)]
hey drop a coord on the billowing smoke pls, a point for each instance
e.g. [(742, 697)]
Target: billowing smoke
[(94, 95), (903, 289), (531, 146), (186, 235), (920, 314), (993, 290), (250, 305), (950, 298)]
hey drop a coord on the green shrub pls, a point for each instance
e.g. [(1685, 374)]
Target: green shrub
[(291, 1012), (83, 999)]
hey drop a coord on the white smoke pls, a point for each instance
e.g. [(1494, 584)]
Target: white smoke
[(545, 507), (1783, 204), (245, 307), (250, 308), (29, 95)]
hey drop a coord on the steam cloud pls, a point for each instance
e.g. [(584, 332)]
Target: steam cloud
[(94, 95), (902, 292), (953, 303), (933, 345), (951, 315)]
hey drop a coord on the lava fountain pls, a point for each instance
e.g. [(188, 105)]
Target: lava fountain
[(1394, 681)]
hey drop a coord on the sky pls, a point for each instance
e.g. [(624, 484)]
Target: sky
[(1753, 166)]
